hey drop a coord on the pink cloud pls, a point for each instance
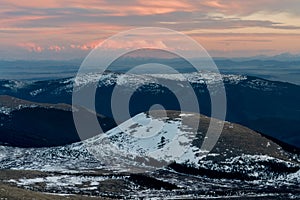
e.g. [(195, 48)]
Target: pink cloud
[(33, 3), (32, 47), (115, 44), (85, 47), (70, 24), (56, 48)]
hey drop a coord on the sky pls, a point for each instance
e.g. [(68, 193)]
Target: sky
[(70, 29)]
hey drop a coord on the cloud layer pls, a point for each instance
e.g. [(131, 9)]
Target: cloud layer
[(44, 28)]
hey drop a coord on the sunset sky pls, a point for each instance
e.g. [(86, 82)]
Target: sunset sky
[(55, 29)]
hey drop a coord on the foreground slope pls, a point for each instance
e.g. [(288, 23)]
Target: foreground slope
[(242, 164)]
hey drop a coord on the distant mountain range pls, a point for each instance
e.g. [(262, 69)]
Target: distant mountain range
[(283, 67), (279, 57)]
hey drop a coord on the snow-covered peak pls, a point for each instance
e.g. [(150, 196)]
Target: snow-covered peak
[(139, 142), (146, 141)]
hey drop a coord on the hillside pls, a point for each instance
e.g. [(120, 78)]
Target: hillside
[(242, 163), (29, 124)]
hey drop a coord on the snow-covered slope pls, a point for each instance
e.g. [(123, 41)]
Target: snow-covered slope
[(147, 138), (169, 144), (165, 140)]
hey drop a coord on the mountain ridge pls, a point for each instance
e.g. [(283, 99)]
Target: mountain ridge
[(262, 105)]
